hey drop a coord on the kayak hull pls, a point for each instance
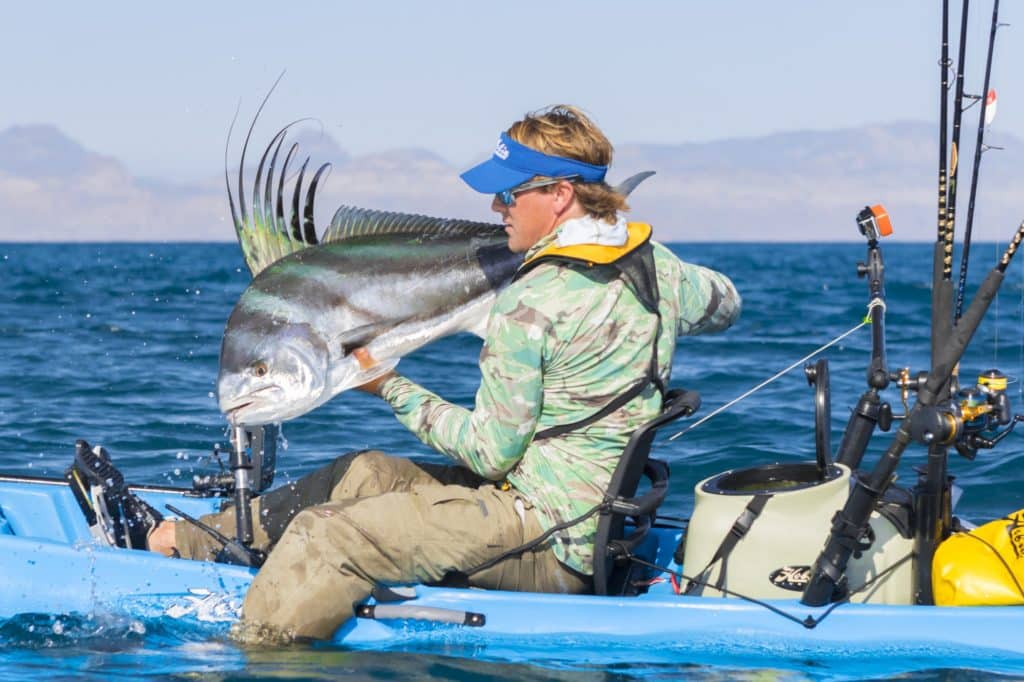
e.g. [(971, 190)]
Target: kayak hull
[(51, 565)]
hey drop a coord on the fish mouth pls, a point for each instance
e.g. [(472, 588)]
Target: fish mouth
[(232, 414), (233, 409)]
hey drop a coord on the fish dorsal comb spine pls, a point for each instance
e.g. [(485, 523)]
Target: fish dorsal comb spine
[(266, 233), (350, 222)]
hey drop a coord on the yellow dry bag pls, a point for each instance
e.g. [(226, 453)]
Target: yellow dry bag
[(984, 567)]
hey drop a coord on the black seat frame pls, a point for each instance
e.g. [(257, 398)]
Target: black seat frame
[(611, 548)]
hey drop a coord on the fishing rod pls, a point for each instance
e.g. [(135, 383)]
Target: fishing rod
[(944, 65), (932, 489), (942, 256), (958, 111), (932, 422), (978, 149)]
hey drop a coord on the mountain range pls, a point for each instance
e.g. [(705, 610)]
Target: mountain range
[(792, 186)]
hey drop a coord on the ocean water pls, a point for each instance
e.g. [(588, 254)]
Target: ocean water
[(119, 344)]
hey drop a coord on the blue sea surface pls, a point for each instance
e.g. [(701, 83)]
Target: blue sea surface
[(118, 344)]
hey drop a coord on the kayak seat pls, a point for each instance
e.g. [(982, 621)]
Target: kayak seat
[(612, 547)]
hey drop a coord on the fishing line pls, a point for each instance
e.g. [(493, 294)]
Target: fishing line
[(876, 303)]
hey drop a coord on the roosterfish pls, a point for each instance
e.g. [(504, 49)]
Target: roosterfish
[(329, 313)]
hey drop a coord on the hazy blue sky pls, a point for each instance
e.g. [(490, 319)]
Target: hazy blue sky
[(156, 84)]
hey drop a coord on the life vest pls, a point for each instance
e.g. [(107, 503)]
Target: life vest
[(634, 263), (984, 567)]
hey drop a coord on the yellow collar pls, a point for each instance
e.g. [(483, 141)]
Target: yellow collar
[(596, 254)]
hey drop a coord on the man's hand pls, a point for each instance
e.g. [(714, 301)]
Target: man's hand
[(374, 385)]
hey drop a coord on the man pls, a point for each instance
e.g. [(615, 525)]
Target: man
[(577, 351)]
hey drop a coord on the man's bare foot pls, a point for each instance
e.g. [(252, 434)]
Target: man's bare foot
[(161, 540)]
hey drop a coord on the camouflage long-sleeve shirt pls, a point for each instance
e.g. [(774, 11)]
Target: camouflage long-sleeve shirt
[(559, 346)]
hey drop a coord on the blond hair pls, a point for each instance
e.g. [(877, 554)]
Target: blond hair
[(564, 130)]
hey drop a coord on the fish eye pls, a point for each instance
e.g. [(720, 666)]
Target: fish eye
[(259, 368)]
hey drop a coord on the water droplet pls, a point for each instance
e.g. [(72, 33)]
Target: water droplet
[(58, 627)]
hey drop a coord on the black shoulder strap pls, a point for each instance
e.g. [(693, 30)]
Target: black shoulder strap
[(617, 402), (637, 271)]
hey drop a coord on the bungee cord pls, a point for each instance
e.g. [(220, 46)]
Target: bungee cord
[(875, 303), (809, 622)]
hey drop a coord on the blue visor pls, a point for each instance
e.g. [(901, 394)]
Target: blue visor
[(513, 164)]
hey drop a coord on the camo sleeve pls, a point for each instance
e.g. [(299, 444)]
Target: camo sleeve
[(492, 438), (707, 302)]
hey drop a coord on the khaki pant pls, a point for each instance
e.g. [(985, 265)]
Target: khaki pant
[(369, 519)]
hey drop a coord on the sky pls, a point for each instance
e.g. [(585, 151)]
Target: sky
[(156, 84)]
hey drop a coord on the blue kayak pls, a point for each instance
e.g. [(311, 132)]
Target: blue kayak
[(52, 565)]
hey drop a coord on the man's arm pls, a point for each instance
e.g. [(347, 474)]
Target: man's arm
[(492, 437), (708, 301)]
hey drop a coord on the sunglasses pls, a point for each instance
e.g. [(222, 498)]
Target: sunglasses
[(508, 196)]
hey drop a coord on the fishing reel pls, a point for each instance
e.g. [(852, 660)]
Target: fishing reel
[(984, 409), (971, 421)]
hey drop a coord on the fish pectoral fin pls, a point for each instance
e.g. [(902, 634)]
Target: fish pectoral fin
[(479, 327), (370, 373), (360, 337)]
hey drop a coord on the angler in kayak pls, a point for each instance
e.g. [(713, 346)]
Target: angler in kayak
[(577, 354)]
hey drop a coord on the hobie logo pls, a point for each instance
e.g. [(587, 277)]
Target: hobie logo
[(501, 151), (793, 578)]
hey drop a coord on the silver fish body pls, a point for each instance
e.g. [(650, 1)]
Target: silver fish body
[(290, 340)]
